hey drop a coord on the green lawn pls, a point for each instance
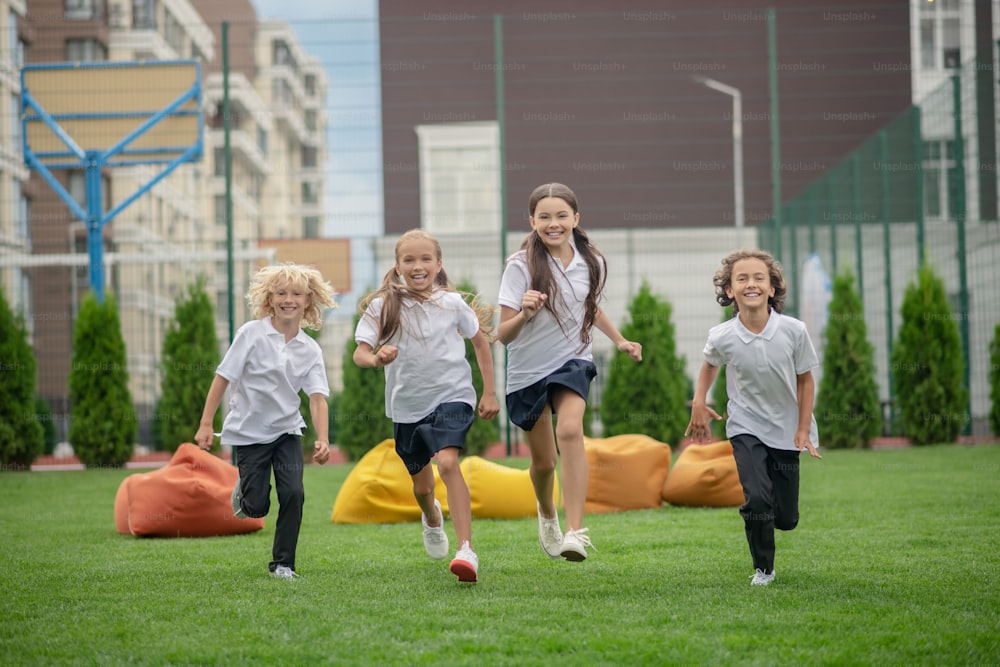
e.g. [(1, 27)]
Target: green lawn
[(896, 561)]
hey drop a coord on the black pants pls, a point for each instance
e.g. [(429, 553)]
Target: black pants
[(255, 463), (770, 479)]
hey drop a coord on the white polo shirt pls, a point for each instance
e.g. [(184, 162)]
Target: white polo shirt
[(431, 368), (761, 372), (542, 346), (265, 375)]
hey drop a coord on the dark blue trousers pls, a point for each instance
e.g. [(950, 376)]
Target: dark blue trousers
[(770, 480)]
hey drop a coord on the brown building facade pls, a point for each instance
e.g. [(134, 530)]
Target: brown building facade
[(606, 98)]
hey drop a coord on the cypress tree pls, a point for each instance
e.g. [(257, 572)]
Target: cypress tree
[(847, 411), (21, 434), (649, 397), (190, 356), (361, 420), (483, 433), (103, 422), (928, 365)]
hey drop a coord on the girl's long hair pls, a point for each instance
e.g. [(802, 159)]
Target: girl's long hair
[(540, 271), (723, 278), (298, 277), (393, 290)]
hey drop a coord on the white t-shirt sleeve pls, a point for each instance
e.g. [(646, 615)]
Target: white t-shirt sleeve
[(232, 364), (513, 284), (315, 381), (711, 352), (367, 329), (468, 322), (805, 354)]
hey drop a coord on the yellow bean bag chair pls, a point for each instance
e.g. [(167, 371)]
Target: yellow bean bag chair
[(500, 492), (627, 472), (705, 476), (189, 497), (379, 490)]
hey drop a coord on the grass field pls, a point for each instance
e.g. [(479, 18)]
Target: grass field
[(896, 561)]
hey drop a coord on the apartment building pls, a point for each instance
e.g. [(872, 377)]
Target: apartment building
[(177, 229), (15, 234)]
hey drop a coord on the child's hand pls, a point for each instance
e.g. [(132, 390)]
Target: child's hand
[(632, 349), (386, 355), (802, 441), (321, 452), (203, 438), (532, 302), (698, 428), (488, 407)]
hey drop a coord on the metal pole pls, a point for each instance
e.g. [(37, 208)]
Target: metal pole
[(498, 85), (918, 182), (963, 268), (856, 207), (95, 228), (772, 66), (738, 205), (883, 146), (228, 158)]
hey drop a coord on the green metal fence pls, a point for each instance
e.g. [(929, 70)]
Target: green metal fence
[(911, 192)]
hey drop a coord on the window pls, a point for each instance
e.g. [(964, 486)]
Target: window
[(144, 14), (82, 10), (311, 120), (220, 209), (16, 144), (940, 176), (940, 35), (459, 177), (173, 34), (310, 193), (310, 158), (310, 227), (310, 84), (282, 55), (262, 140), (219, 161), (22, 209), (85, 50)]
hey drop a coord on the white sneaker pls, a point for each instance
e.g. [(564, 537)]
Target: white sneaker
[(236, 500), (284, 572), (549, 534), (574, 545), (435, 539), (761, 578), (465, 565)]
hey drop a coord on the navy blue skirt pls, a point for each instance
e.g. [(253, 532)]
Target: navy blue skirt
[(525, 406)]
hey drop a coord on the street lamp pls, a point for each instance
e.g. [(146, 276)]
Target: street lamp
[(737, 141)]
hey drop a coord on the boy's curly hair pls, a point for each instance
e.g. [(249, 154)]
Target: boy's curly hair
[(723, 278), (307, 279)]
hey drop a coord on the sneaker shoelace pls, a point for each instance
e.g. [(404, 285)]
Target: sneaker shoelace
[(551, 529), (581, 538), (436, 534)]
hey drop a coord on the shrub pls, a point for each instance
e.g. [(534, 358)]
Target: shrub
[(650, 397), (190, 357), (361, 420), (928, 365), (847, 412), (21, 435), (483, 432), (102, 418), (995, 381)]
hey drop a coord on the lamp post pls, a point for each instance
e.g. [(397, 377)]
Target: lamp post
[(737, 141)]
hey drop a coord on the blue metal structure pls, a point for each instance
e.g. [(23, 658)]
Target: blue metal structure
[(93, 161)]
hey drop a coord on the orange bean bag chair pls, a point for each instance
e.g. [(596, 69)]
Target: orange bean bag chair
[(379, 490), (704, 476), (189, 497), (627, 472)]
